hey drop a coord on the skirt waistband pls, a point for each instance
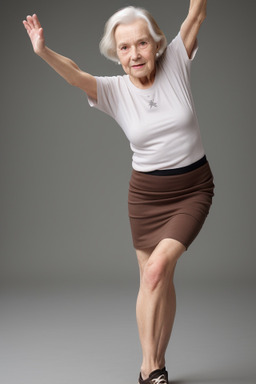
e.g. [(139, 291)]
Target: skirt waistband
[(178, 171)]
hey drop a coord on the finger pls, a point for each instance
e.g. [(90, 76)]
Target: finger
[(30, 21), (36, 21), (41, 33), (27, 26)]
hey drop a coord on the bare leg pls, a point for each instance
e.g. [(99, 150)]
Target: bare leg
[(156, 303)]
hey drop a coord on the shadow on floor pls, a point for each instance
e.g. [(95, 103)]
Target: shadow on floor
[(216, 379)]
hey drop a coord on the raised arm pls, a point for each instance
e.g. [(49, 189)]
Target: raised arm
[(192, 23), (61, 64)]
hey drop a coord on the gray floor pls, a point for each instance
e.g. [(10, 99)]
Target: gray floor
[(68, 335)]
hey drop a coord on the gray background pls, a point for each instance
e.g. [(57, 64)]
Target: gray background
[(65, 168), (68, 270)]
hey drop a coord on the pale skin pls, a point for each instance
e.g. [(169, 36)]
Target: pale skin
[(136, 50)]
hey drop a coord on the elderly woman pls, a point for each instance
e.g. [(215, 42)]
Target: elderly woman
[(171, 186)]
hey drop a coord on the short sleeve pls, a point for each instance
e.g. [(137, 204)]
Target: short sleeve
[(176, 58), (106, 95), (181, 49)]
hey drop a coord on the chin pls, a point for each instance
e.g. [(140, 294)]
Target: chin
[(140, 73)]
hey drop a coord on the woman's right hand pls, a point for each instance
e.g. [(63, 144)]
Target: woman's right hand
[(61, 64), (35, 32)]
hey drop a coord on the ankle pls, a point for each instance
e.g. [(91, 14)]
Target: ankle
[(147, 370)]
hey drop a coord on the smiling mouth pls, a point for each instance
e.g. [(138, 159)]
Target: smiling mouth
[(138, 65)]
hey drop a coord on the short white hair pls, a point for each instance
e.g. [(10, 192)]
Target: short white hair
[(125, 16)]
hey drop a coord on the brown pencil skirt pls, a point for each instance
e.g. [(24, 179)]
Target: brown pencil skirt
[(171, 206)]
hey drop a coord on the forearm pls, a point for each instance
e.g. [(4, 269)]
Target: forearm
[(61, 64), (197, 10)]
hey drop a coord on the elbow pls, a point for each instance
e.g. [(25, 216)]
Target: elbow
[(197, 18), (72, 82), (201, 17), (75, 79)]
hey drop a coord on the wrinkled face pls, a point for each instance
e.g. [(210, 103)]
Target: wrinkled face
[(136, 51)]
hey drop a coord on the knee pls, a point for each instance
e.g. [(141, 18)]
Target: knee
[(157, 274), (152, 275), (159, 268)]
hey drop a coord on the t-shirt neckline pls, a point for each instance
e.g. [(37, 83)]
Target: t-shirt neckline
[(143, 90)]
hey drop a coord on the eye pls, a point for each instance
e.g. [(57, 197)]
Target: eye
[(143, 43), (123, 48)]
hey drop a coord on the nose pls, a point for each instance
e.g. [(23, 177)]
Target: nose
[(135, 54)]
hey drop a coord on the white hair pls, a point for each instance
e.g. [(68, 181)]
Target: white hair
[(125, 16)]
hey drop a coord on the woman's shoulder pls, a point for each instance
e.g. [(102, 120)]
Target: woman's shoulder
[(112, 81), (174, 45), (175, 57)]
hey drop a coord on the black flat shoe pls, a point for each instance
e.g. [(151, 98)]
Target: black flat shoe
[(159, 376)]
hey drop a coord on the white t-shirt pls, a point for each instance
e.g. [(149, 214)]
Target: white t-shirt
[(160, 122)]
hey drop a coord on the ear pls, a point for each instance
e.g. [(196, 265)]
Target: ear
[(158, 46)]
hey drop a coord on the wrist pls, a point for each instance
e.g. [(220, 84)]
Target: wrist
[(41, 52)]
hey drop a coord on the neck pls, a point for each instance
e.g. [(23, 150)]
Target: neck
[(144, 82)]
